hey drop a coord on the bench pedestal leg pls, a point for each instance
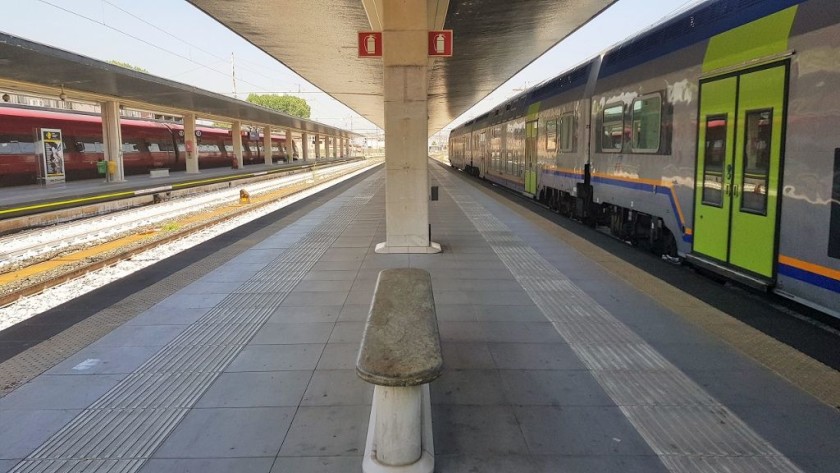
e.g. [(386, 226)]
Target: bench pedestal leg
[(400, 431)]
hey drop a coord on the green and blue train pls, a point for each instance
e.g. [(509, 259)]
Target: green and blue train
[(713, 137)]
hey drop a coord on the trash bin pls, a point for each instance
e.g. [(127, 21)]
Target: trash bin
[(112, 167), (101, 167)]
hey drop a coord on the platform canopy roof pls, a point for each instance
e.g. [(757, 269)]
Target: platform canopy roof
[(494, 39), (37, 68)]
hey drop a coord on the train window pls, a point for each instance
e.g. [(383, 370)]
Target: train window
[(496, 147), (834, 222), (27, 147), (130, 148), (16, 144), (92, 147), (647, 123), (713, 161), (510, 156), (154, 148), (567, 132), (166, 146), (8, 146), (612, 128), (551, 135), (757, 139)]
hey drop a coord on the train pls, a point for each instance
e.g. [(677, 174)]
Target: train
[(711, 138), (147, 144)]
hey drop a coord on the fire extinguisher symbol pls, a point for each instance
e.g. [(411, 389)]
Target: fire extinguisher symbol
[(440, 45), (370, 44)]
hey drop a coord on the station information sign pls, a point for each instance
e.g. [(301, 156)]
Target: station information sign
[(51, 154), (370, 44)]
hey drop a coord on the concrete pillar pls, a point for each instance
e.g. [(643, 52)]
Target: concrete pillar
[(335, 152), (112, 141), (327, 147), (267, 145), (317, 147), (236, 135), (304, 148), (405, 64), (290, 149), (190, 144)]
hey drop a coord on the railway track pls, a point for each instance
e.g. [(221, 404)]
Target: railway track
[(129, 236)]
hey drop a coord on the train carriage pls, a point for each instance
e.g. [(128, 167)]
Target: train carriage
[(711, 137), (147, 145)]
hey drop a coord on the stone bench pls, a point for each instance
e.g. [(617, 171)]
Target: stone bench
[(159, 173), (400, 354)]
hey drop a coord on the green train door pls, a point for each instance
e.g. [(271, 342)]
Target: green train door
[(739, 156), (531, 157)]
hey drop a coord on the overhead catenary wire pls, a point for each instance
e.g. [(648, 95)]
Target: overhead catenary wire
[(181, 40), (140, 39)]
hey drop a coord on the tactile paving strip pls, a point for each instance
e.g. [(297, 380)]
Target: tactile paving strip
[(125, 426), (685, 426)]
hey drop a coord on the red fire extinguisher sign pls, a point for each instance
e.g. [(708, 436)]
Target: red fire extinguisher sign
[(440, 43), (370, 44)]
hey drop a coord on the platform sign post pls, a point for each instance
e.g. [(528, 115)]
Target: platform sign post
[(440, 43), (370, 44), (50, 148)]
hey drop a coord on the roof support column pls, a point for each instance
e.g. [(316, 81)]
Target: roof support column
[(190, 144), (317, 147), (112, 141), (269, 158), (327, 147), (290, 155), (236, 134), (304, 139), (405, 61)]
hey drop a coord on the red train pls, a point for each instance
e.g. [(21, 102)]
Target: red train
[(147, 145)]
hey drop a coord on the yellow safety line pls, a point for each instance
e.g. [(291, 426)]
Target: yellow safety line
[(65, 202)]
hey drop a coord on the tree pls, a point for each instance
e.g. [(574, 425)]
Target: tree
[(127, 66), (294, 106)]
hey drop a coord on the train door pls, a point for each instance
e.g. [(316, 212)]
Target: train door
[(531, 157), (739, 157)]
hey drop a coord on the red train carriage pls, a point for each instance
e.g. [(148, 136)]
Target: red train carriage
[(147, 144)]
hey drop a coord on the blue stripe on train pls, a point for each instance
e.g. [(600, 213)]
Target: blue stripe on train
[(810, 278)]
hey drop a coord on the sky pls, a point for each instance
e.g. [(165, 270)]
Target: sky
[(174, 40)]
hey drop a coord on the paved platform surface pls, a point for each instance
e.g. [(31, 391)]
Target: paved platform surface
[(556, 359)]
